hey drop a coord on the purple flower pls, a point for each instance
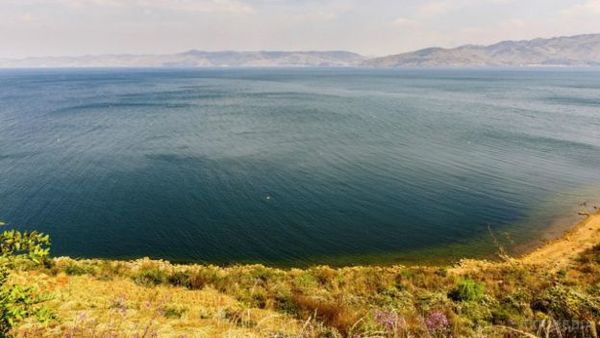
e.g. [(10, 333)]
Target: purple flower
[(436, 321), (389, 320)]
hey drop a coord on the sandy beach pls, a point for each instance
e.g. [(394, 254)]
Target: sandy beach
[(561, 250), (554, 255)]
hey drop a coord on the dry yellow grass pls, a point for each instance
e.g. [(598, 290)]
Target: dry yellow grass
[(103, 298), (89, 307)]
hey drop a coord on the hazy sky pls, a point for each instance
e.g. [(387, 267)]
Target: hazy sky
[(371, 27)]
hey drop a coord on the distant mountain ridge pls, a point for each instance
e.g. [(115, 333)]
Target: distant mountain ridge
[(579, 50), (196, 58)]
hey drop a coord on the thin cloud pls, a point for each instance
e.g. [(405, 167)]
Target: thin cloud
[(77, 27), (434, 8), (404, 22), (587, 8), (202, 6)]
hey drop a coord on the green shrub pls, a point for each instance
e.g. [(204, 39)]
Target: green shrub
[(467, 290), (566, 303), (179, 278), (428, 301), (173, 312), (44, 315), (594, 289), (74, 270), (477, 313), (262, 274), (32, 245), (18, 302), (284, 302), (150, 277), (306, 280)]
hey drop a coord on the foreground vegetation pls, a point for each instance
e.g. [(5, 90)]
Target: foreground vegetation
[(149, 298)]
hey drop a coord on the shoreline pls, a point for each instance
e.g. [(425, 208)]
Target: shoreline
[(559, 251), (555, 251), (553, 255), (559, 241)]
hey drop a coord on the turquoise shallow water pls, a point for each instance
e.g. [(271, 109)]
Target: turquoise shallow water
[(295, 166)]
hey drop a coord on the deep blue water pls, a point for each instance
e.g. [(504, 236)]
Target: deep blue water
[(294, 166)]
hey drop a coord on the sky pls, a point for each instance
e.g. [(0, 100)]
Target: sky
[(370, 27)]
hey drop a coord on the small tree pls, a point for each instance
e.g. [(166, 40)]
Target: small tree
[(17, 302)]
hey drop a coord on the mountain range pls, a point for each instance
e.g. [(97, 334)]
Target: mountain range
[(579, 50), (196, 58)]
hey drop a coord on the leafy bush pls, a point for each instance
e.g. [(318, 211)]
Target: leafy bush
[(150, 276), (284, 302), (567, 304), (467, 290), (32, 245), (75, 270), (18, 302), (180, 279)]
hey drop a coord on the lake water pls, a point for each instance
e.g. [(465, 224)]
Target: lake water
[(296, 166)]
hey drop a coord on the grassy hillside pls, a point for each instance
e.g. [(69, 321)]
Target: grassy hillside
[(525, 297)]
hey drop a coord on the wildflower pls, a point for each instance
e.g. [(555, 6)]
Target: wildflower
[(389, 320), (436, 321)]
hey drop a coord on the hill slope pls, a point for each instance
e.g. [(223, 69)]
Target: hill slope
[(580, 50), (553, 292)]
